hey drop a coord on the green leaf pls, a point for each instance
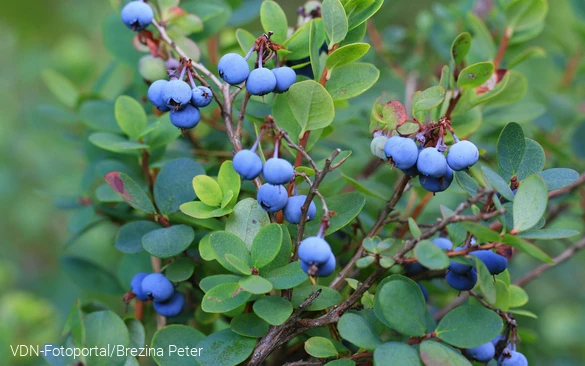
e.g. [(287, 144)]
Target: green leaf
[(358, 11), (266, 245), (529, 203), (424, 101), (241, 266), (256, 284), (466, 182), (327, 298), (223, 298), (518, 297), (544, 234), (200, 210), (275, 310), (526, 54), (136, 332), (515, 90), (527, 248), (246, 220), (533, 161), (210, 282), (225, 348), (180, 270), (498, 183), (482, 233), (523, 313), (320, 347), (346, 55), (61, 87), (486, 282), (399, 303), (475, 75), (168, 242), (88, 275), (298, 43), (558, 178), (316, 39), (430, 255), (469, 326), (105, 329), (510, 149), (229, 181), (129, 237), (334, 20), (460, 47), (437, 354), (115, 143), (358, 331), (116, 39), (249, 325), (207, 190), (346, 206), (130, 116), (311, 105), (173, 184), (471, 97), (286, 277), (414, 229), (99, 116), (502, 295), (163, 134), (179, 336), (352, 80), (522, 14), (222, 243), (273, 19), (396, 354), (283, 256), (245, 39)]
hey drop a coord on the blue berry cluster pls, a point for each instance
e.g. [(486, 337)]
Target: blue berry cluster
[(316, 257), (435, 170), (157, 287), (486, 352), (137, 15)]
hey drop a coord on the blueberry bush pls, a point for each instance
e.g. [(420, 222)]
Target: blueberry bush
[(307, 194)]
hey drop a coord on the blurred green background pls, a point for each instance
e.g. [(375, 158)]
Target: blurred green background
[(41, 165)]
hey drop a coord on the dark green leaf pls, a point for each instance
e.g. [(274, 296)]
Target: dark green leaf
[(273, 19), (168, 242), (346, 55), (346, 206), (173, 185), (396, 354), (498, 183), (529, 203), (179, 336), (99, 116), (424, 101), (223, 243), (273, 309), (210, 282), (436, 354), (527, 248), (460, 47), (225, 348), (266, 245), (288, 276), (129, 238), (482, 233), (469, 326), (224, 297), (327, 298), (316, 39), (558, 178), (105, 329), (90, 276), (548, 234), (311, 105), (486, 282), (351, 80), (115, 143), (298, 43), (249, 325), (136, 332), (358, 11), (334, 20), (180, 270), (511, 147), (247, 220), (117, 38), (358, 331), (466, 182), (430, 255)]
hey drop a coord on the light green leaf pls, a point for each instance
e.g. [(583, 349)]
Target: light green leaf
[(356, 329), (486, 282), (358, 11), (327, 298), (437, 354), (255, 284), (498, 183), (61, 87), (430, 255), (266, 245), (510, 149), (246, 220), (239, 264), (168, 242), (175, 335), (223, 298), (228, 348), (105, 329), (469, 326), (275, 310), (130, 191), (527, 248), (424, 101), (286, 277), (558, 178), (544, 234), (130, 116), (311, 105), (222, 243), (334, 20), (229, 180), (352, 80), (273, 19), (529, 203), (396, 354), (207, 190), (320, 347), (346, 55), (115, 143), (460, 47), (475, 75)]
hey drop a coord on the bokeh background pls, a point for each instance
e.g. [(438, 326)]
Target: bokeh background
[(42, 165)]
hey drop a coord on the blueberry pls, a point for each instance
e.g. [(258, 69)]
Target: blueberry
[(233, 68), (411, 172), (414, 268), (187, 117), (494, 262), (403, 151), (483, 353), (498, 338), (292, 210), (443, 243), (314, 250), (157, 287), (462, 155), (271, 197), (515, 359), (137, 15), (377, 146), (247, 164), (155, 95), (432, 163), (462, 282), (424, 290), (260, 81), (176, 94), (201, 96), (325, 269), (136, 286), (285, 77), (171, 307), (152, 68), (437, 184), (457, 267), (278, 171)]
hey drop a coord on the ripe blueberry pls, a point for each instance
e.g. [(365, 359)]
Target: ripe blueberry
[(443, 243), (462, 155), (136, 286), (155, 95), (292, 210), (285, 77), (424, 290), (152, 68), (411, 172), (157, 287), (260, 81), (176, 94), (247, 164), (137, 15), (403, 151), (377, 146), (432, 163), (185, 118), (457, 267), (483, 353), (494, 262), (171, 307), (314, 250), (233, 68), (278, 171), (498, 338), (325, 269), (414, 268), (201, 96), (462, 282), (271, 197), (515, 359), (437, 184)]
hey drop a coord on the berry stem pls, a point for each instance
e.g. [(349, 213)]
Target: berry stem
[(260, 56), (249, 53), (276, 147), (191, 81), (182, 76), (455, 137), (257, 142)]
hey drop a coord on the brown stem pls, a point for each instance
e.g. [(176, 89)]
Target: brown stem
[(502, 48), (417, 211)]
